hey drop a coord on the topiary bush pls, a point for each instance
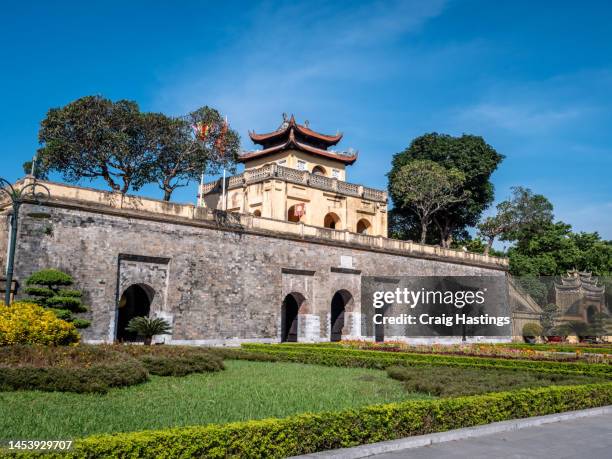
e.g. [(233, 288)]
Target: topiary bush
[(47, 288), (28, 323), (531, 331)]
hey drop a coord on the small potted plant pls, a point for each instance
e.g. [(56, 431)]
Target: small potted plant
[(148, 327), (531, 331)]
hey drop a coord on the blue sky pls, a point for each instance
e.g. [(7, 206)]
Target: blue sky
[(533, 78)]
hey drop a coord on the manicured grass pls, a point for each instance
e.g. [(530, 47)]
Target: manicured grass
[(245, 390)]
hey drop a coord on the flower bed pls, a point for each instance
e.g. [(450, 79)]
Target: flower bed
[(503, 351)]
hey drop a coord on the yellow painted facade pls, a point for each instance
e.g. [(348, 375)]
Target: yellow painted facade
[(272, 186)]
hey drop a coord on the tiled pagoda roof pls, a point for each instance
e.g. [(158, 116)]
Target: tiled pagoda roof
[(292, 135)]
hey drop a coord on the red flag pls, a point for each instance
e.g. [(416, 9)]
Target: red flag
[(300, 209), (220, 142)]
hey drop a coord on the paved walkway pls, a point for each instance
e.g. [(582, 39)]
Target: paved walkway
[(586, 438)]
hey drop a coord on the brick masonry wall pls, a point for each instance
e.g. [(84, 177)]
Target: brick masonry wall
[(215, 286)]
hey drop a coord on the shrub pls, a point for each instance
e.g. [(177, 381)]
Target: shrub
[(46, 286), (49, 278), (27, 323), (174, 360), (73, 369), (454, 381), (39, 291), (532, 329), (313, 354), (308, 433), (148, 327), (81, 323), (68, 292)]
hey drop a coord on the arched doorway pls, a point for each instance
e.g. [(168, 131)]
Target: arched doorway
[(289, 317), (319, 170), (363, 226), (135, 302), (332, 221), (339, 302)]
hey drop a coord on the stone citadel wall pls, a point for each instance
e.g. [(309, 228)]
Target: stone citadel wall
[(219, 278)]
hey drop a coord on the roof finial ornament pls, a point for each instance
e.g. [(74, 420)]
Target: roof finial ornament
[(307, 123), (285, 122)]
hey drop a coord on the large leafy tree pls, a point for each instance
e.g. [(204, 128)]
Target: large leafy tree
[(180, 153), (523, 211), (427, 189), (469, 154), (553, 249), (94, 137)]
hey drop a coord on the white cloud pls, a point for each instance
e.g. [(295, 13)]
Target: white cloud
[(521, 117), (290, 59)]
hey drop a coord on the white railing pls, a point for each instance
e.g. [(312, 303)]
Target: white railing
[(296, 176)]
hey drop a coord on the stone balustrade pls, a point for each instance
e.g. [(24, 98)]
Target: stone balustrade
[(139, 207), (296, 176)]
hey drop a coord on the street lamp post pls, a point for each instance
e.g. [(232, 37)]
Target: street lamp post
[(18, 197)]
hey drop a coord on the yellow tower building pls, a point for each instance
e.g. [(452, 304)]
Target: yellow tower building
[(297, 177)]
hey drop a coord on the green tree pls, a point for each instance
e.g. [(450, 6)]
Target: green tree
[(178, 156), (48, 288), (524, 210), (469, 154), (553, 249), (94, 137), (427, 188)]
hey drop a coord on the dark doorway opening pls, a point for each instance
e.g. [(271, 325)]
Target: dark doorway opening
[(289, 317), (135, 302), (338, 307), (379, 326), (591, 311)]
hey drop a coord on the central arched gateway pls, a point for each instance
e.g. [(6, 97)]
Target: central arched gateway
[(339, 303), (289, 317), (135, 302)]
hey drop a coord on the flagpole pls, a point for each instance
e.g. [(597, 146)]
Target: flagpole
[(224, 197), (200, 197), (224, 201)]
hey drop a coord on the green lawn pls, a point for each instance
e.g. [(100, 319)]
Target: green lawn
[(245, 390)]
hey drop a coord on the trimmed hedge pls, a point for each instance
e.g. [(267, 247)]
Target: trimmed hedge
[(174, 360), (320, 355), (381, 360), (308, 433), (96, 368), (73, 369)]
